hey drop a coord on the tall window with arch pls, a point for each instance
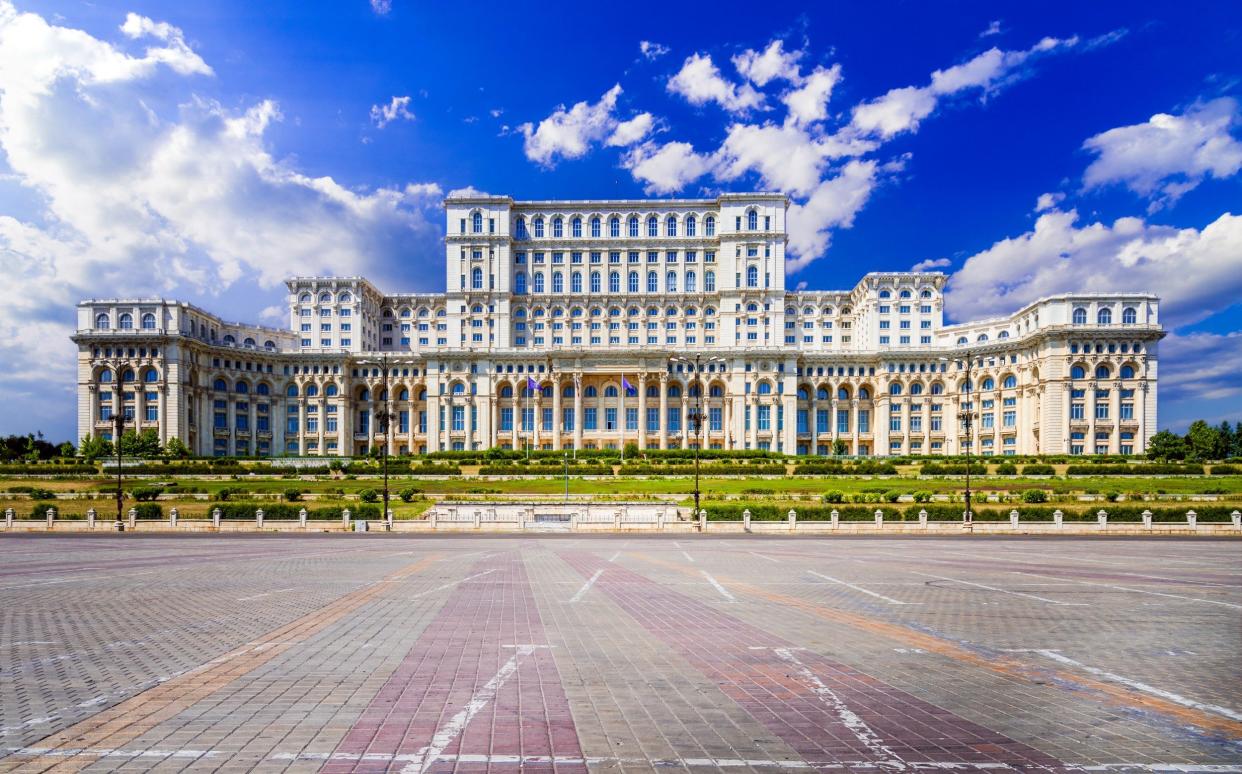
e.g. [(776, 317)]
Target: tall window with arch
[(752, 277)]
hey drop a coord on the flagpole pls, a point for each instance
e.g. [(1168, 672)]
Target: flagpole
[(621, 418)]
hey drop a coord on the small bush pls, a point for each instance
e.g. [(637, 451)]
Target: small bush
[(39, 510), (368, 495), (834, 497), (225, 493), (1038, 470), (1034, 496), (1006, 469), (293, 495), (146, 494), (39, 493), (922, 497), (891, 496), (408, 494)]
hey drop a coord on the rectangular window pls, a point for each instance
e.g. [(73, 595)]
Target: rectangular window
[(459, 419), (506, 420), (674, 419), (864, 420), (916, 423), (765, 417), (715, 420), (843, 421), (653, 420), (1076, 411), (610, 419), (631, 419), (1127, 411), (1010, 419), (545, 421), (821, 420)]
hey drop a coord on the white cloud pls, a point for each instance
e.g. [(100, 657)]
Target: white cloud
[(139, 187), (381, 7), (1201, 367), (809, 102), (629, 132), (466, 193), (1195, 272), (994, 28), (833, 204), (666, 168), (397, 108), (569, 133), (931, 263), (1047, 201), (786, 157), (772, 63), (651, 50), (903, 108), (700, 82), (1168, 155)]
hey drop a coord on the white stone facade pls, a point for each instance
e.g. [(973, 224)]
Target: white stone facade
[(581, 297)]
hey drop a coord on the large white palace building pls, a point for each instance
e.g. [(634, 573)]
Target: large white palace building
[(627, 318)]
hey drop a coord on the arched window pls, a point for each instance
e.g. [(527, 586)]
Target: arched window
[(610, 391), (885, 294), (894, 389), (403, 395), (521, 227), (864, 393), (595, 286), (653, 226), (595, 233), (633, 226), (653, 282), (690, 226), (1080, 316), (1127, 372), (692, 284), (715, 391), (1103, 372), (263, 389), (506, 391), (981, 337), (101, 321), (1003, 335), (219, 386), (476, 223), (765, 388), (575, 228), (292, 391), (558, 228), (752, 221), (126, 321), (229, 339), (752, 277), (241, 388), (1078, 372), (590, 392), (821, 393), (709, 226), (538, 282), (248, 343), (1104, 316), (539, 227), (988, 384), (674, 391), (1129, 316), (916, 389), (519, 283), (105, 376), (311, 390), (614, 227), (670, 226), (476, 278), (575, 282), (127, 375), (709, 281), (344, 298), (269, 345), (614, 282), (937, 389), (148, 322), (330, 391), (459, 388), (843, 393), (325, 298), (632, 285), (670, 282), (1010, 382), (363, 395), (961, 340), (558, 282), (150, 375)]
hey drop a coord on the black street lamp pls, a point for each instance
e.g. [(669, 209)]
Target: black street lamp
[(383, 416), (696, 415), (118, 423), (966, 415)]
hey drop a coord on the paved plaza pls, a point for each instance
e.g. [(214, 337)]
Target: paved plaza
[(614, 653)]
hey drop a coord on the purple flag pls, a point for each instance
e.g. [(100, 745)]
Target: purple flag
[(629, 388), (531, 384)]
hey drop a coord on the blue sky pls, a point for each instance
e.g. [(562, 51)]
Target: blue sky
[(206, 150)]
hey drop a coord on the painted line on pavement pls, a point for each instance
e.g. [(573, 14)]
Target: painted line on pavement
[(1136, 591), (586, 587), (1002, 591), (889, 600), (716, 585)]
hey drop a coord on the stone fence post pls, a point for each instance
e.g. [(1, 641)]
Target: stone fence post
[(1192, 519), (1057, 517), (1101, 516), (1146, 519), (793, 520), (835, 516), (133, 519), (8, 518), (90, 517), (1237, 519), (1013, 519), (746, 520), (478, 517), (388, 520), (922, 517), (302, 517), (616, 519), (659, 520), (215, 518), (702, 520), (345, 519), (879, 517), (172, 518), (258, 518), (51, 517)]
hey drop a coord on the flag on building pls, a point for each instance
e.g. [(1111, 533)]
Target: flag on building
[(629, 388), (531, 384)]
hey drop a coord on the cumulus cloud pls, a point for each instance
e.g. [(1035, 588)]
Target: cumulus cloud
[(773, 63), (700, 82), (1047, 201), (381, 7), (994, 28), (809, 102), (651, 50), (666, 168), (141, 188), (570, 133), (833, 204), (1168, 155), (1201, 366), (397, 108), (1197, 272), (902, 109), (931, 263)]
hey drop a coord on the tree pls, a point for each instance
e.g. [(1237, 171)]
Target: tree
[(65, 449), (1224, 446), (1165, 445), (1236, 451), (1202, 440), (840, 448), (93, 447), (176, 448)]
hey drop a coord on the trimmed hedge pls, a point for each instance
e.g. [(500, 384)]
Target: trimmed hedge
[(46, 470), (953, 512), (1226, 470), (1151, 469), (284, 511), (861, 468), (543, 470), (934, 469), (1038, 469)]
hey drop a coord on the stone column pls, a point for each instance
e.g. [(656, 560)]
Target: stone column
[(879, 430), (642, 411), (811, 420), (578, 411), (663, 423), (254, 426), (516, 403), (854, 424), (925, 412), (1089, 403), (323, 421), (832, 421), (557, 422), (536, 419), (789, 408), (231, 419), (302, 423), (685, 421), (1140, 404), (1114, 411), (433, 419), (162, 408), (753, 435)]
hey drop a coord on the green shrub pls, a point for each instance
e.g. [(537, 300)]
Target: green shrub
[(145, 494), (368, 495), (833, 497), (891, 496), (293, 495), (922, 497), (1034, 496), (1038, 470), (148, 511), (1226, 470), (1006, 469), (38, 493), (224, 493), (408, 494), (39, 510)]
